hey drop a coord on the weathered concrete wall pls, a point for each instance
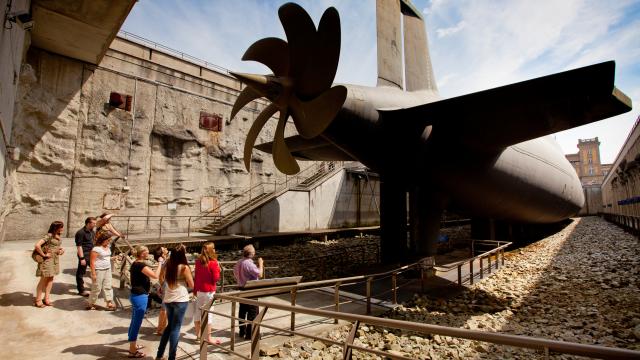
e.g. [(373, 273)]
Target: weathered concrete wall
[(13, 42), (344, 200), (592, 200), (79, 156)]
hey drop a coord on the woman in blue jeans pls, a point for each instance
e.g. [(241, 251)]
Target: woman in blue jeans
[(140, 274), (177, 276)]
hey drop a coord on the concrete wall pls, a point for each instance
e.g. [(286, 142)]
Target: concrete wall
[(345, 200), (592, 200), (80, 157), (13, 43)]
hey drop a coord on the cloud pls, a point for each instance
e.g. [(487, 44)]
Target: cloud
[(451, 30)]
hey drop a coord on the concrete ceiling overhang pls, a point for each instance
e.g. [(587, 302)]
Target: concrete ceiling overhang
[(80, 29)]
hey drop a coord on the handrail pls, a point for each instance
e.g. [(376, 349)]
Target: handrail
[(190, 218), (483, 255), (154, 45), (262, 188), (325, 283), (545, 345)]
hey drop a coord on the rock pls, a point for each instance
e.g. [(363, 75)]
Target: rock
[(270, 351), (317, 345)]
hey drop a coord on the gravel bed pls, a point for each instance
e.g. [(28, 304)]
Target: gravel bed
[(578, 285)]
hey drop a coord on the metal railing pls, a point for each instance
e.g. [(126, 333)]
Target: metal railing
[(186, 223), (348, 345), (629, 223), (496, 251), (176, 53), (272, 187)]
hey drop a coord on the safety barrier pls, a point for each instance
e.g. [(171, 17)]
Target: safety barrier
[(629, 223), (348, 345), (497, 251)]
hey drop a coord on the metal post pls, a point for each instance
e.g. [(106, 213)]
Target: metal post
[(255, 334), (369, 295), (471, 272), (232, 345), (489, 261), (204, 321), (498, 260), (460, 274), (128, 219), (481, 270), (502, 256), (394, 282), (189, 228), (336, 299), (160, 227), (293, 314)]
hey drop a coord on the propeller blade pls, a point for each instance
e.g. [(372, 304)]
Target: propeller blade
[(246, 96), (319, 112), (301, 34), (323, 62), (272, 52), (281, 155), (257, 125)]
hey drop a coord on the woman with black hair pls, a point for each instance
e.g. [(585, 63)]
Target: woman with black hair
[(49, 247), (177, 275)]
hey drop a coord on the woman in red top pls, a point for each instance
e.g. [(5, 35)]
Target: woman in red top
[(207, 275)]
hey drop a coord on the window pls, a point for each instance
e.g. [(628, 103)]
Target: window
[(590, 171), (589, 152), (590, 161)]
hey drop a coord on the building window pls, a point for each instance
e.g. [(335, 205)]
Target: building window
[(605, 172), (590, 171), (589, 152), (590, 161)]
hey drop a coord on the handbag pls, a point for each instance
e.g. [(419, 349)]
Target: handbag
[(35, 255)]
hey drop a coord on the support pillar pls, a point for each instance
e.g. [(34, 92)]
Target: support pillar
[(393, 220), (424, 219)]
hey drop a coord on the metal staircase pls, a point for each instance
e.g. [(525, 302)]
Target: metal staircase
[(258, 195)]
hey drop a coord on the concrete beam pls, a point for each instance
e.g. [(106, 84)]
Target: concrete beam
[(78, 29)]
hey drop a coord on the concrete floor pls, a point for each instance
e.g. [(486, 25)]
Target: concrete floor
[(67, 331)]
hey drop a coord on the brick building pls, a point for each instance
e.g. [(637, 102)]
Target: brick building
[(587, 163)]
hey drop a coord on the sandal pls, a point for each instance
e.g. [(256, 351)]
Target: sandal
[(47, 302), (38, 304), (139, 347), (137, 354), (90, 307), (111, 307)]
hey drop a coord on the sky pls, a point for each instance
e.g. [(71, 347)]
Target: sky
[(475, 44)]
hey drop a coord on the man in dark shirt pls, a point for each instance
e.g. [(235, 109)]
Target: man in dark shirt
[(84, 243)]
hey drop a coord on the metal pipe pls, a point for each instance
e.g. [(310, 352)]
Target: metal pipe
[(395, 287), (293, 314), (336, 299), (369, 295)]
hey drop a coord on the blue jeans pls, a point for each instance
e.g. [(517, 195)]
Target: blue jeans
[(138, 308), (175, 314)]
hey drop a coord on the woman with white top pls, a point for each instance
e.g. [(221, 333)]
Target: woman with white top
[(177, 275), (101, 271)]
